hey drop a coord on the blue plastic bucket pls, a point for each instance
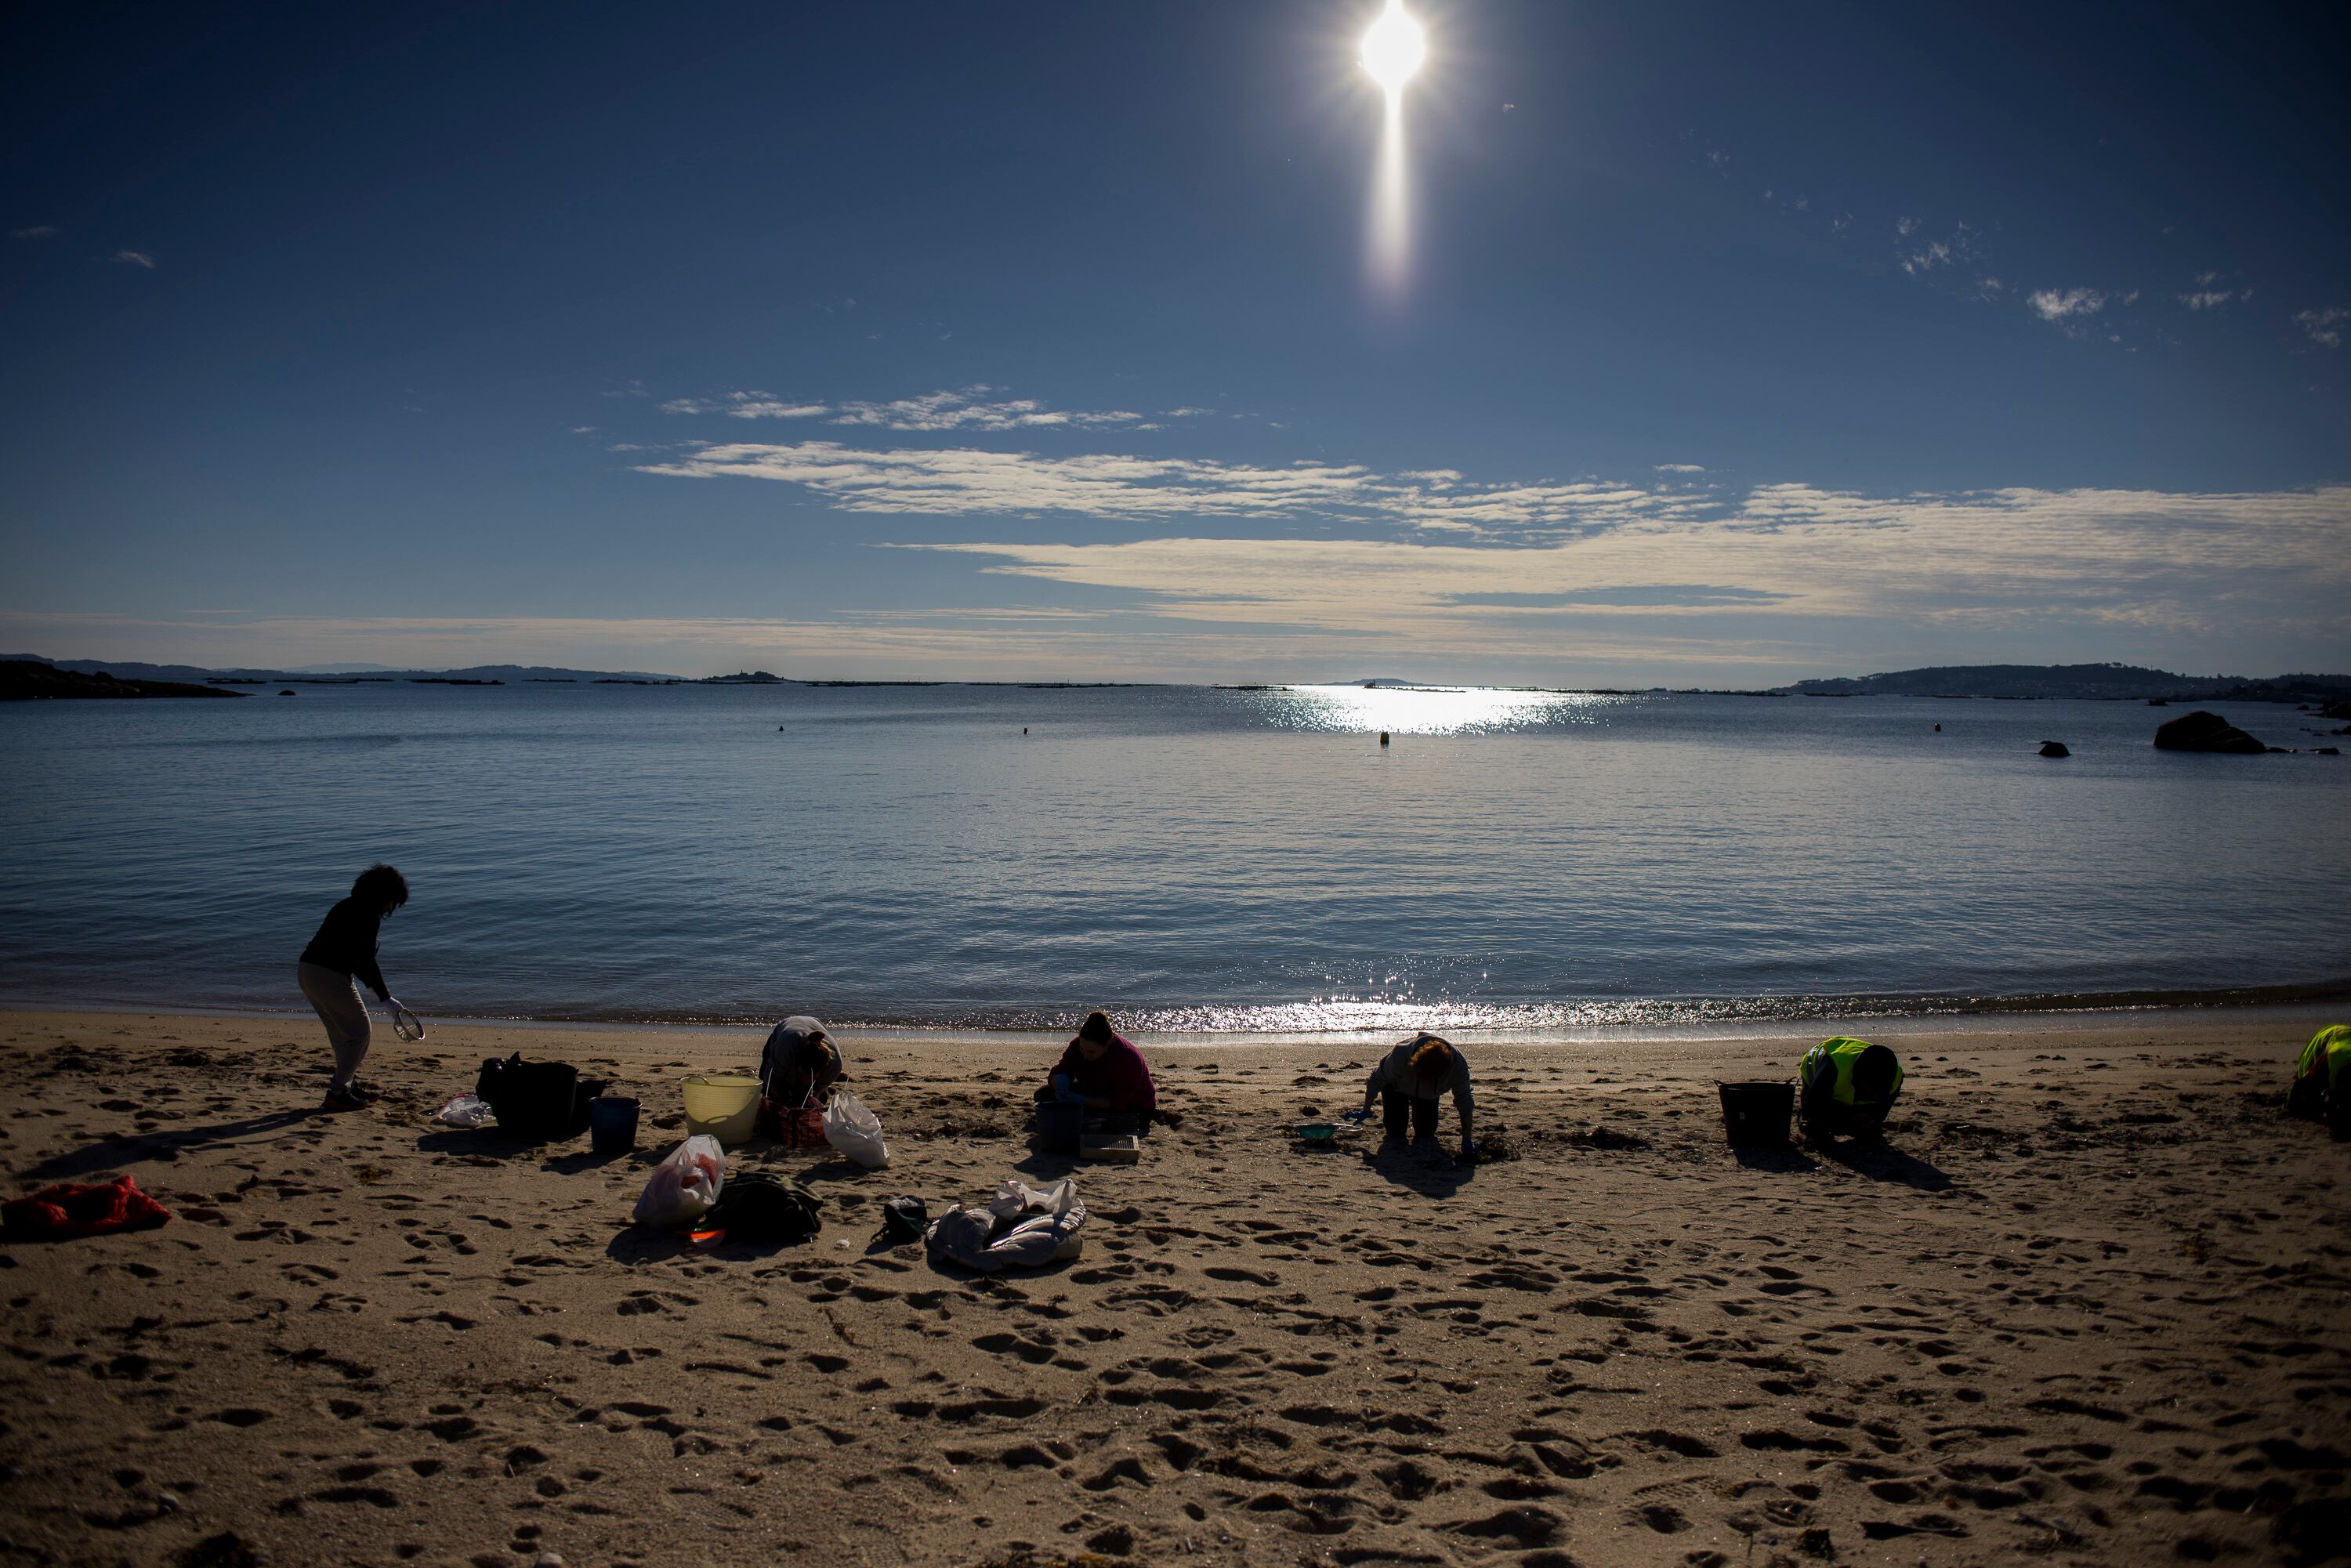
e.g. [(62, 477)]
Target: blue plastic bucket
[(612, 1125)]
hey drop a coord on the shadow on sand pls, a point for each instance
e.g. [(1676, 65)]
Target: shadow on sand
[(947, 1269), (1422, 1165), (120, 1150), (591, 1159), (1880, 1162), (638, 1244), (483, 1143), (1784, 1158)]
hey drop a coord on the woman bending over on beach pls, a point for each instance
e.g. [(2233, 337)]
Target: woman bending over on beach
[(797, 1066), (1103, 1069), (339, 957), (1407, 1082)]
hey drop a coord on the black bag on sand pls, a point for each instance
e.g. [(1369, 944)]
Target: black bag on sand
[(757, 1206), (539, 1102), (905, 1220)]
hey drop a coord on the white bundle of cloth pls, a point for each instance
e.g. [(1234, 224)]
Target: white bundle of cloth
[(1019, 1227)]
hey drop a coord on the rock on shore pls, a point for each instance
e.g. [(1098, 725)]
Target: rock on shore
[(2205, 731)]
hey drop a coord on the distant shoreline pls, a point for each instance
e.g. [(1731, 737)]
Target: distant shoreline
[(2015, 683)]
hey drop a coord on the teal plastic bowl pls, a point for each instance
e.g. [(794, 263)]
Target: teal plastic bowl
[(1318, 1131)]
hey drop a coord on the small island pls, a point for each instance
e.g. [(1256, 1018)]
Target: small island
[(29, 680)]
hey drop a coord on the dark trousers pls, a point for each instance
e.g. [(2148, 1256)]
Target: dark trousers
[(1825, 1114), (1396, 1107), (1136, 1121)]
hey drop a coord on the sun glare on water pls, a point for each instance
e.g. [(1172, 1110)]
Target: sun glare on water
[(1430, 710)]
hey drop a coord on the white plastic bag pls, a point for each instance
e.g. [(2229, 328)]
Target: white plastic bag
[(1020, 1227), (685, 1184), (466, 1110), (855, 1130)]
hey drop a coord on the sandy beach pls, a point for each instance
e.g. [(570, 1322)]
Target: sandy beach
[(2086, 1306)]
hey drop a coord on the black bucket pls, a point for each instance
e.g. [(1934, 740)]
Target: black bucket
[(612, 1124), (1757, 1113), (1060, 1124)]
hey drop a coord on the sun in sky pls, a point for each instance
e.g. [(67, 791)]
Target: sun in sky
[(1394, 48), (1392, 51)]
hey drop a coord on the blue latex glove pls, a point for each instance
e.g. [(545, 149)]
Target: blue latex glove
[(1357, 1116), (1063, 1092)]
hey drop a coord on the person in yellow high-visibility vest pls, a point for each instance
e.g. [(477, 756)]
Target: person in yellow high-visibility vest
[(1849, 1085), (2322, 1079)]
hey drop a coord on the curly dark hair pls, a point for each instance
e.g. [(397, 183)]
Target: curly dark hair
[(1432, 1057), (380, 883)]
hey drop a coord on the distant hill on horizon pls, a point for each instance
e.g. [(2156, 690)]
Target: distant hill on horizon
[(2094, 681), (514, 674)]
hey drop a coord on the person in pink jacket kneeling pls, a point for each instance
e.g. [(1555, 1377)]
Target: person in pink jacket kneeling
[(1103, 1071)]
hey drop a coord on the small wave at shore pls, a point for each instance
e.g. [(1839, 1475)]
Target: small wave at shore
[(1325, 1020)]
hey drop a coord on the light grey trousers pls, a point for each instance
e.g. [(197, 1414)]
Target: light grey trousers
[(343, 1011)]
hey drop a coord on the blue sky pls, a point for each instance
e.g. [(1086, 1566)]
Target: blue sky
[(1734, 344)]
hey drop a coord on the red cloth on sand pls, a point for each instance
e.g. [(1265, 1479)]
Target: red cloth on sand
[(70, 1209)]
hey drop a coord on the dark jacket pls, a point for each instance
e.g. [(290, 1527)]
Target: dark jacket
[(799, 1063), (1121, 1077), (346, 944)]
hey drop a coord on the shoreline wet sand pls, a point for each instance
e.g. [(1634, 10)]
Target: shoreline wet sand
[(2085, 1305)]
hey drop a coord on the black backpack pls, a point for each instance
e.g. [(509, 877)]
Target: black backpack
[(539, 1102), (757, 1206)]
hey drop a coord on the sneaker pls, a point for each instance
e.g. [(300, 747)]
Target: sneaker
[(343, 1100)]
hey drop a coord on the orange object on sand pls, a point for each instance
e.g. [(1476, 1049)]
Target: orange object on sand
[(68, 1209)]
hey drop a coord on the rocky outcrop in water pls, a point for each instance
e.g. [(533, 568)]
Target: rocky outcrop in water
[(2206, 731), (29, 680)]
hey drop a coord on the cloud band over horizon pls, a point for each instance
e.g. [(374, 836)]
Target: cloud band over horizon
[(1356, 550)]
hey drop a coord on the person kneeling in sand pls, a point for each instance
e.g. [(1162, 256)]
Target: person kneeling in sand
[(1849, 1086), (797, 1066), (1407, 1082), (1103, 1070)]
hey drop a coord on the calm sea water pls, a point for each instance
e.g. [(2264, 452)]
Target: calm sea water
[(1199, 858)]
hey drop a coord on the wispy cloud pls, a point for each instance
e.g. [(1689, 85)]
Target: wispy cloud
[(2066, 304), (2325, 327), (136, 258), (966, 481), (1789, 578), (1681, 468), (2212, 298), (2104, 558), (747, 405), (1517, 548), (1958, 247), (970, 408), (38, 231)]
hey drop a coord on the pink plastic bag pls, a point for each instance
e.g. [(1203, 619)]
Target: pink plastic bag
[(685, 1184)]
